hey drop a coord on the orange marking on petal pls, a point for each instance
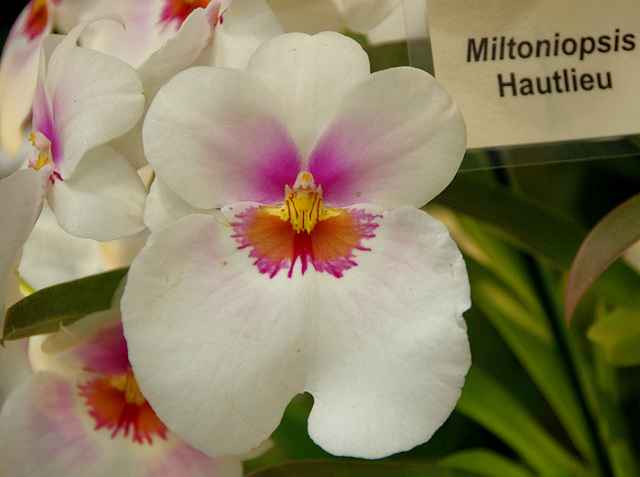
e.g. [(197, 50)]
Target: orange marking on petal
[(116, 403), (37, 19), (329, 247)]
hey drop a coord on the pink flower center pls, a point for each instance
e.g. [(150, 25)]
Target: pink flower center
[(45, 156), (115, 403), (37, 19), (178, 10), (302, 228)]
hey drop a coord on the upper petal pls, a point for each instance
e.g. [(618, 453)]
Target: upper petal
[(362, 15), (95, 98), (312, 75), (308, 16), (213, 135), (396, 138), (245, 25)]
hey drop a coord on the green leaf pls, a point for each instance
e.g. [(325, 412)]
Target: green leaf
[(487, 402), (486, 463), (618, 332), (45, 310), (526, 330), (607, 241), (532, 227), (352, 468), (388, 55)]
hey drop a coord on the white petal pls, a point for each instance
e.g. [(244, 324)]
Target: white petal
[(95, 98), (21, 198), (141, 35), (397, 138), (245, 25), (52, 256), (179, 51), (383, 349), (214, 137), (213, 343), (40, 429), (103, 200), (362, 15), (308, 16), (391, 349), (164, 206), (14, 367), (313, 73)]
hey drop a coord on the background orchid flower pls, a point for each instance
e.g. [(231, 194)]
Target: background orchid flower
[(322, 275), (313, 16), (19, 63), (19, 71), (81, 414), (84, 99), (163, 37)]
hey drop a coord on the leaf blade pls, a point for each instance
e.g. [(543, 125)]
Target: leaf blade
[(45, 310), (605, 243)]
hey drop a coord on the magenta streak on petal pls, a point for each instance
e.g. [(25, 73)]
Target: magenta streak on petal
[(43, 123), (272, 163), (334, 163), (105, 353)]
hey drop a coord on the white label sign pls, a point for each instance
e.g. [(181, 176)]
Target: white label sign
[(536, 71)]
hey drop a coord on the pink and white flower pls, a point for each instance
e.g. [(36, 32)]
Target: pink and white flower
[(163, 37), (84, 99), (303, 262), (19, 70), (81, 414)]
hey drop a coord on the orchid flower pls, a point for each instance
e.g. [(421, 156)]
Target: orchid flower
[(19, 70), (81, 414), (303, 263), (313, 16), (163, 37), (84, 99)]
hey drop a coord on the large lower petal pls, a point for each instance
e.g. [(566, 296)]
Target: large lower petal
[(103, 200), (217, 343), (313, 73), (397, 138), (390, 349), (216, 347), (213, 135)]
